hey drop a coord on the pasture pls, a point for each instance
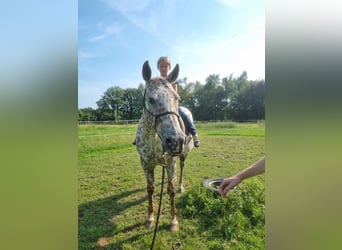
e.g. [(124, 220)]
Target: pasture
[(112, 196)]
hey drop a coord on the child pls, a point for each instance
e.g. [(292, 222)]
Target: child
[(164, 65)]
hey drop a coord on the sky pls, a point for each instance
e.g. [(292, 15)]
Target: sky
[(204, 37)]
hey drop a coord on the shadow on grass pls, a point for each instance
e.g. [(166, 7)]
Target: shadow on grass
[(145, 242), (95, 218)]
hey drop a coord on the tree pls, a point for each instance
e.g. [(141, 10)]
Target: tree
[(230, 87), (185, 91), (86, 114), (229, 98), (80, 115), (249, 104), (132, 104), (112, 102), (242, 81), (210, 100)]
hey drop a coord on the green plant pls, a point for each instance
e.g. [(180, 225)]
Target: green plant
[(113, 201)]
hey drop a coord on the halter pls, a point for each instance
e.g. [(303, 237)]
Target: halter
[(156, 116)]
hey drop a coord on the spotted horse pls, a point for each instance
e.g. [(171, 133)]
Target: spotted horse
[(161, 137)]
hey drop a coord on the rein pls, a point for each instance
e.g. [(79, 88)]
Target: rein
[(156, 116), (160, 201)]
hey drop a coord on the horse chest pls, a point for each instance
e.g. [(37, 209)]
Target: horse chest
[(150, 148)]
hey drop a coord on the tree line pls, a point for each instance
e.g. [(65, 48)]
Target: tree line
[(229, 98)]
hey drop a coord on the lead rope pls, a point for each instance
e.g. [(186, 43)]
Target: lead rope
[(160, 201)]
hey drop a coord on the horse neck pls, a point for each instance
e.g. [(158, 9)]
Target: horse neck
[(148, 122)]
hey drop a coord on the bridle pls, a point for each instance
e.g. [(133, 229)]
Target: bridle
[(156, 116)]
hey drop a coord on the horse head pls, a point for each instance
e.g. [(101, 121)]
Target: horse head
[(161, 104)]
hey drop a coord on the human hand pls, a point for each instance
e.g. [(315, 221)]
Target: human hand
[(227, 184)]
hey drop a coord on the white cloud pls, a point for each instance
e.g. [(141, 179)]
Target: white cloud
[(84, 54), (127, 5), (96, 38), (106, 32), (224, 57), (153, 22)]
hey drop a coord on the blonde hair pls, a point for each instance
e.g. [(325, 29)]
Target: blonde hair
[(164, 59)]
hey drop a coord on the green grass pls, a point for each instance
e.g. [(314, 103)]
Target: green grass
[(113, 201)]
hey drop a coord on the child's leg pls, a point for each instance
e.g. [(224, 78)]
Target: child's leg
[(191, 126), (187, 122)]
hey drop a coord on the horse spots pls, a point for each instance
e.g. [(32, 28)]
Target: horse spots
[(158, 134)]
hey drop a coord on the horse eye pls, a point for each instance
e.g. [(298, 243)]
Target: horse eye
[(151, 100)]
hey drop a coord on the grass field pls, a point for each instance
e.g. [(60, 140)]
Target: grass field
[(113, 201)]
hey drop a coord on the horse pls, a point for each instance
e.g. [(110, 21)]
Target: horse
[(161, 137)]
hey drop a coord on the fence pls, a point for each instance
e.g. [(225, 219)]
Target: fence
[(137, 121), (110, 122)]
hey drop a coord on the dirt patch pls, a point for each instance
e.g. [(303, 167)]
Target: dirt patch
[(102, 242)]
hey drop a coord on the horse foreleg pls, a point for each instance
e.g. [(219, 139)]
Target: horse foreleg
[(171, 174), (181, 188), (150, 189)]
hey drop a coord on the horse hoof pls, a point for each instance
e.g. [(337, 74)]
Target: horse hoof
[(174, 227), (149, 224)]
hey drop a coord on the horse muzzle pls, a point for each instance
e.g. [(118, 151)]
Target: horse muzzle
[(174, 145)]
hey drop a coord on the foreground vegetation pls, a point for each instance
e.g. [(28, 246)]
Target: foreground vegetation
[(113, 201)]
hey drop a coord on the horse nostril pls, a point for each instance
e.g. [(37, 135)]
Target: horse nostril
[(169, 141)]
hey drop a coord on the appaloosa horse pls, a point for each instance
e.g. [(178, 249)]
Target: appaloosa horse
[(161, 137)]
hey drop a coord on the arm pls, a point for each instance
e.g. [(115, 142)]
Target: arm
[(231, 182)]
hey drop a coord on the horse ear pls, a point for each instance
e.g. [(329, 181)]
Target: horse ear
[(173, 74), (146, 71)]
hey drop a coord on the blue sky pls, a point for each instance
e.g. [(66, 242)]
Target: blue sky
[(204, 37)]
